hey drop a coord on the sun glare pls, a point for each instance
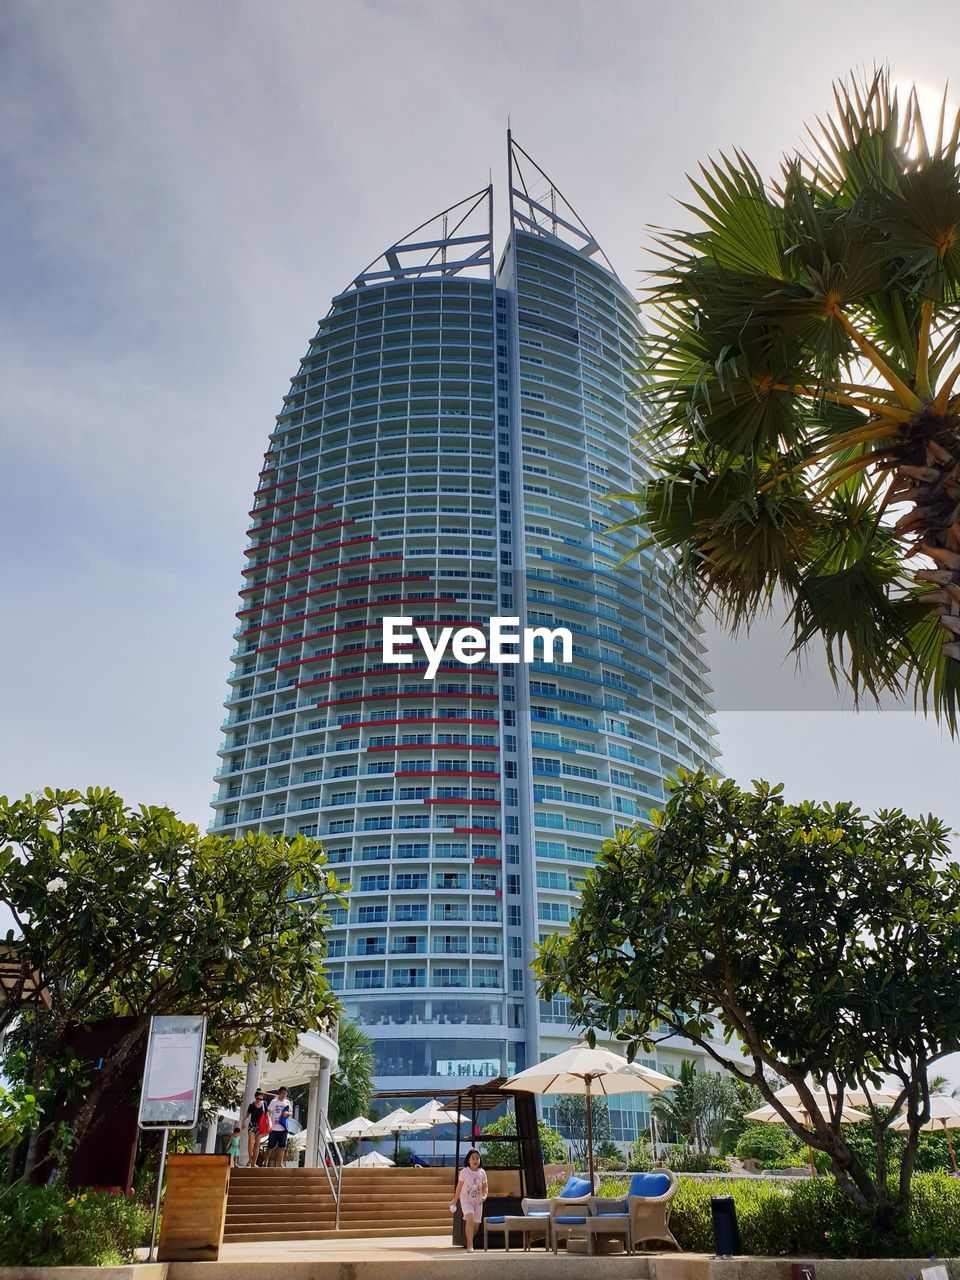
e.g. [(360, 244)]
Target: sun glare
[(930, 101)]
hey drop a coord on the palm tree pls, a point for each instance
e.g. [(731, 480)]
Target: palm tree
[(677, 1109), (351, 1087), (805, 382)]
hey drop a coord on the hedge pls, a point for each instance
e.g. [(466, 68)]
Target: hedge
[(812, 1216)]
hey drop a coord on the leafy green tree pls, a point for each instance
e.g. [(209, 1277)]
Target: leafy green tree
[(135, 913), (805, 373), (221, 1088), (571, 1115), (705, 1110), (818, 941), (351, 1087), (497, 1155)]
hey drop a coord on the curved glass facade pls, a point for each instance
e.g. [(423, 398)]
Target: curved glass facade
[(445, 453)]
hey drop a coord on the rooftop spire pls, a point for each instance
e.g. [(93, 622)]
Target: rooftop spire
[(537, 204)]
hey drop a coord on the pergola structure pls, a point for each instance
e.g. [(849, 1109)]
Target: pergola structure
[(20, 984)]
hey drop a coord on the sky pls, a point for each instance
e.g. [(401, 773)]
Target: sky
[(182, 189)]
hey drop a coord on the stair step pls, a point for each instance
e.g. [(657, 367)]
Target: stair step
[(297, 1204), (349, 1234)]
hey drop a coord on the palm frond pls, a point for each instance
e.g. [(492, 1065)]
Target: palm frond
[(803, 378)]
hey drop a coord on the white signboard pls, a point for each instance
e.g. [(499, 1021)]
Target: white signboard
[(170, 1098)]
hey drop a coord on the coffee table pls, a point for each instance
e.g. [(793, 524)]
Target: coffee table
[(611, 1225), (529, 1227)]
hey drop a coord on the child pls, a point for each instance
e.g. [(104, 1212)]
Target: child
[(233, 1147), (470, 1194)]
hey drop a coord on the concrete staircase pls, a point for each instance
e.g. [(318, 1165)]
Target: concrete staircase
[(296, 1204)]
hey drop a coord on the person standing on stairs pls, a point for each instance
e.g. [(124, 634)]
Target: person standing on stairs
[(257, 1125), (471, 1192), (278, 1111)]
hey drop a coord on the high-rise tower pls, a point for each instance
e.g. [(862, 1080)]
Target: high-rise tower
[(446, 451)]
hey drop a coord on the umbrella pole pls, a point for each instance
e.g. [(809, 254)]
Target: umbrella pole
[(813, 1167), (953, 1158), (589, 1135)]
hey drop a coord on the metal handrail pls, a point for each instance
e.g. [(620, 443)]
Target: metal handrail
[(331, 1159)]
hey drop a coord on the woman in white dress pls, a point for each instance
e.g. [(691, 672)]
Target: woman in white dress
[(470, 1193)]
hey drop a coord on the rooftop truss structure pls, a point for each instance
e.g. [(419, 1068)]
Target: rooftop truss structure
[(457, 241), (20, 983), (537, 204)]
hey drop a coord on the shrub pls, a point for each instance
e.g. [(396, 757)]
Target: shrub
[(609, 1156), (641, 1155), (497, 1154), (49, 1226), (688, 1160), (771, 1145), (813, 1216)]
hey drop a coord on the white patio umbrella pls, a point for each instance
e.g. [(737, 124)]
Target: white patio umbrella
[(944, 1116), (433, 1113), (770, 1115), (372, 1160), (353, 1130), (586, 1071), (397, 1122), (851, 1097)]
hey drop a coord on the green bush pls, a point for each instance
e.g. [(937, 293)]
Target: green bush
[(608, 1155), (813, 1216), (640, 1159), (687, 1160), (47, 1226), (498, 1154), (771, 1145)]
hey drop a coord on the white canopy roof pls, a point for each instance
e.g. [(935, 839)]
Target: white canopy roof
[(312, 1051)]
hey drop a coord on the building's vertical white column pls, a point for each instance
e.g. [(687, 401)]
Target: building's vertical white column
[(310, 1160), (254, 1070), (323, 1079), (210, 1144)]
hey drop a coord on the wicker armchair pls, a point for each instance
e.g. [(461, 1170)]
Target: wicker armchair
[(645, 1212), (567, 1210)]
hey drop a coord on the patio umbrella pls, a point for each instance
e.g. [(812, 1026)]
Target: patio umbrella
[(434, 1113), (770, 1115), (586, 1071), (372, 1160), (944, 1116), (353, 1130), (397, 1122), (851, 1097)]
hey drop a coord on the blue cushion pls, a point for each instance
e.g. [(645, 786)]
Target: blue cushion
[(569, 1220), (624, 1216), (538, 1214), (490, 1221), (576, 1187), (648, 1184)]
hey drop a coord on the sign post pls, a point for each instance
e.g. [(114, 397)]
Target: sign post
[(170, 1096)]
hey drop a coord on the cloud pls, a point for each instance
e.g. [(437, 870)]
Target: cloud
[(185, 186)]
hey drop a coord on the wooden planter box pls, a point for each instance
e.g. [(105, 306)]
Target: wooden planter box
[(194, 1208)]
